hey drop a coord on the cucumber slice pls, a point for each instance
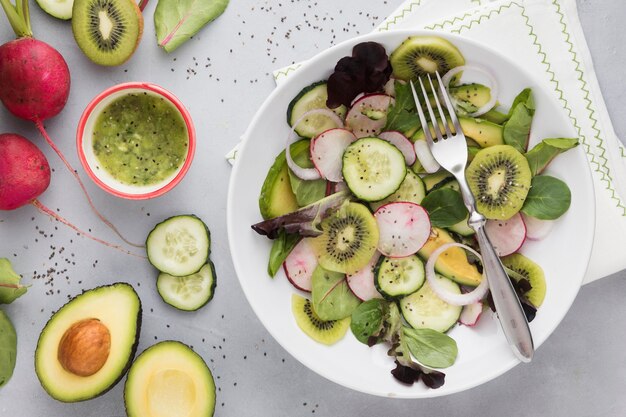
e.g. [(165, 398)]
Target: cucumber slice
[(424, 310), (397, 277), (61, 9), (188, 293), (373, 168), (179, 246), (312, 97), (411, 190)]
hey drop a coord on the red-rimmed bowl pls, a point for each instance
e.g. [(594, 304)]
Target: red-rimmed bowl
[(84, 144)]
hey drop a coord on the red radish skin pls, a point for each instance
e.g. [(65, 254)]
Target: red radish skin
[(300, 264), (35, 84), (25, 175), (327, 150), (506, 236), (404, 228), (24, 171), (34, 79), (471, 313), (357, 119), (361, 283)]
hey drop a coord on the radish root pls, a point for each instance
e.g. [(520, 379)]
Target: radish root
[(66, 222), (104, 220)]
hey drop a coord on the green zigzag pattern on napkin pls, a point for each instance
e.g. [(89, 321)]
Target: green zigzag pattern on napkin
[(600, 141), (400, 16)]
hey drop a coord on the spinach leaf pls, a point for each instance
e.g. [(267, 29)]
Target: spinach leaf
[(516, 130), (368, 319), (544, 152), (281, 248), (306, 192), (8, 348), (331, 296), (10, 287), (445, 207), (430, 347), (178, 20), (547, 199), (401, 116)]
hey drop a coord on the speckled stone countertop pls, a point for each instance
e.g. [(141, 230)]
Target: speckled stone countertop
[(223, 75)]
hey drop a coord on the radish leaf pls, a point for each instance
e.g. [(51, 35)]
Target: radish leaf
[(331, 296), (178, 20), (8, 348), (10, 287)]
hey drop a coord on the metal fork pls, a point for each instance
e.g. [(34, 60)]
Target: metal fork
[(450, 151)]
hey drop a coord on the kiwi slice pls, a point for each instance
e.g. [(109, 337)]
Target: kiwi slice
[(326, 332), (421, 55), (499, 177), (107, 31), (532, 272), (348, 240)]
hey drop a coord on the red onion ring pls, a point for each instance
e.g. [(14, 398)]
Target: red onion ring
[(492, 81)]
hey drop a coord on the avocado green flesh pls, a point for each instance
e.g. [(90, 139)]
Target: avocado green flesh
[(118, 307), (472, 96), (481, 131), (169, 380), (276, 197), (453, 262)]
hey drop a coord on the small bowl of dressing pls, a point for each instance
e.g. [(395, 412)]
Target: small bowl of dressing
[(136, 140)]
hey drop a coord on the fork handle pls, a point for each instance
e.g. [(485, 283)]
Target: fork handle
[(510, 313), (512, 317)]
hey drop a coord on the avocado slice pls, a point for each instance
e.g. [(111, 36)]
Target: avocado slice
[(453, 262), (471, 97), (88, 344), (276, 197), (169, 379), (481, 131)]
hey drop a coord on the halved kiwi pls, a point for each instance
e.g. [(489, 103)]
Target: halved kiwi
[(532, 272), (421, 55), (326, 332), (107, 31), (499, 177), (349, 239)]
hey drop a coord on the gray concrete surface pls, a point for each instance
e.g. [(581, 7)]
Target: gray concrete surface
[(223, 75)]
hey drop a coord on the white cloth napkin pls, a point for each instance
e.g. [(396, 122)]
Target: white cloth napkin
[(545, 37)]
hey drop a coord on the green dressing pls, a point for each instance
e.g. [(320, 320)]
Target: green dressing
[(140, 139)]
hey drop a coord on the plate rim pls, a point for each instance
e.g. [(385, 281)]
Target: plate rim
[(246, 137)]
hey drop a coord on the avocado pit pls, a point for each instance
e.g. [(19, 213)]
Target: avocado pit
[(85, 347)]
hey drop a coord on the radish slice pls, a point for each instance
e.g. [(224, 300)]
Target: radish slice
[(368, 115), (401, 142), (327, 151), (390, 86), (506, 236), (451, 298), (471, 313), (300, 264), (425, 156), (493, 85), (537, 229), (357, 98), (306, 173), (403, 228), (361, 283)]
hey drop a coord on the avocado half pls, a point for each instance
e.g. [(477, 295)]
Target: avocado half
[(169, 379), (89, 343)]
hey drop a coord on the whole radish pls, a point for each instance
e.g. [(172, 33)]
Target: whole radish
[(25, 175), (35, 82)]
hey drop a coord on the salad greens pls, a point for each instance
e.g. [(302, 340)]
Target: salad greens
[(10, 287), (544, 152), (548, 199), (281, 247), (517, 128), (445, 207), (306, 192), (8, 348), (402, 115), (332, 298), (176, 21)]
